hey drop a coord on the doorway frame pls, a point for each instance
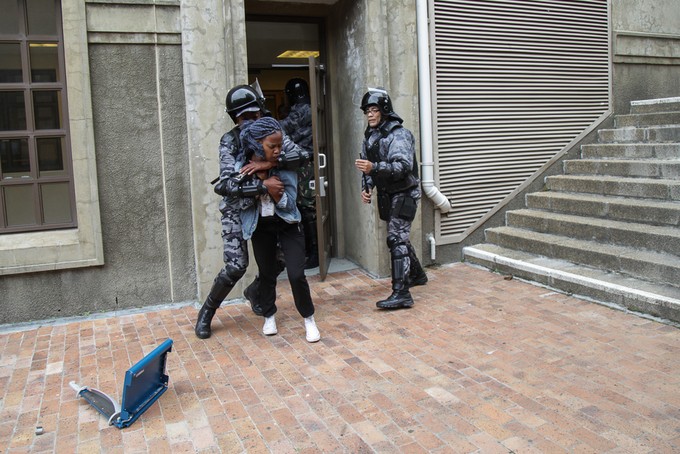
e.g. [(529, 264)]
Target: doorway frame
[(321, 22)]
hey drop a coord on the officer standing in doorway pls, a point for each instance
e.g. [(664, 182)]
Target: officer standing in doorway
[(298, 126), (388, 162)]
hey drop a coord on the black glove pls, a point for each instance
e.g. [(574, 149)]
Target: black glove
[(240, 185), (222, 187), (294, 159), (252, 188)]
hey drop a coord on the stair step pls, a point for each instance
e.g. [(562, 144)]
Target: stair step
[(612, 289), (647, 119), (660, 189), (646, 135), (631, 150), (641, 264), (616, 208), (608, 228), (655, 105), (605, 231), (646, 168)]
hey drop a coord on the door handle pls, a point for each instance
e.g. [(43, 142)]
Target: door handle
[(322, 189)]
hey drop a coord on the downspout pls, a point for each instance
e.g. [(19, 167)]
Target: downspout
[(425, 101)]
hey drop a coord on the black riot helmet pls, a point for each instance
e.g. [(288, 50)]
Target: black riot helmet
[(297, 91), (377, 97), (241, 99)]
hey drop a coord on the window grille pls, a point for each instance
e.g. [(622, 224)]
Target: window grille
[(515, 82)]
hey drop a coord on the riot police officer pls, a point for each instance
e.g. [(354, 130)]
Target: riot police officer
[(243, 103), (388, 162), (298, 126)]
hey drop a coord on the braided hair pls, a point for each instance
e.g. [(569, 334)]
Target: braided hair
[(252, 131)]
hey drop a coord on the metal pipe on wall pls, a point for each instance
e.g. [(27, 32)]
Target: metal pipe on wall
[(425, 103)]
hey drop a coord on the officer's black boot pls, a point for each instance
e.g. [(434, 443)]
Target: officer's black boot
[(220, 289), (416, 275), (205, 316), (400, 296)]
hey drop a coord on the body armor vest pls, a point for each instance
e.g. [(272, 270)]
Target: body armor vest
[(386, 183)]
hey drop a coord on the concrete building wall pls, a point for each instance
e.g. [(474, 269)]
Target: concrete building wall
[(645, 51), (214, 59), (374, 45), (143, 177)]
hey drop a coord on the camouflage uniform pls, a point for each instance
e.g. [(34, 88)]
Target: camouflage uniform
[(298, 125), (391, 148), (235, 247)]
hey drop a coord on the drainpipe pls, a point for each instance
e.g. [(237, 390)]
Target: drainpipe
[(426, 152), (433, 247)]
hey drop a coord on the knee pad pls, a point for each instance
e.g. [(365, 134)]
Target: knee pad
[(230, 275), (393, 242)]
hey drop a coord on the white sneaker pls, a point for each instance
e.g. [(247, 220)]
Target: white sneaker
[(312, 331), (269, 328)]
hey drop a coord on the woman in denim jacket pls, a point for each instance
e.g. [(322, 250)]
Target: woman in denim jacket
[(274, 218)]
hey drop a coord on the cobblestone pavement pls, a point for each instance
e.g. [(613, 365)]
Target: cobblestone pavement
[(481, 364)]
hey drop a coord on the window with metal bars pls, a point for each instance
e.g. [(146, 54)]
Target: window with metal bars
[(36, 181)]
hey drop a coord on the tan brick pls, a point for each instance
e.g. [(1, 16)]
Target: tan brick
[(480, 363)]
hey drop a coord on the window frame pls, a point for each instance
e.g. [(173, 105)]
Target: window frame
[(81, 246), (29, 88)]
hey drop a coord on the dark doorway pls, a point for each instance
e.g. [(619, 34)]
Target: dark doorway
[(277, 52)]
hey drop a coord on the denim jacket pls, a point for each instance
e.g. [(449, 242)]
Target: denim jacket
[(286, 209)]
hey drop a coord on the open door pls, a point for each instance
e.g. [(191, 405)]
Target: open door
[(317, 89)]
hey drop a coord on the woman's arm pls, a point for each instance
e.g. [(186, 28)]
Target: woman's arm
[(287, 201)]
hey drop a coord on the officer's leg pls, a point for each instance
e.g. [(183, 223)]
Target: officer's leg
[(416, 275), (311, 242), (397, 240), (236, 262)]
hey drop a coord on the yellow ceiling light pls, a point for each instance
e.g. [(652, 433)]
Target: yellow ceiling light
[(299, 54)]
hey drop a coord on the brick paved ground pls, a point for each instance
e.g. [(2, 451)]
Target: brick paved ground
[(480, 364)]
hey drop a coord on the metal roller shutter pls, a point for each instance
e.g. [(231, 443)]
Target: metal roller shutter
[(515, 82)]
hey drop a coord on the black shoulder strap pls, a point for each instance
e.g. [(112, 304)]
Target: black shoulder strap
[(388, 127), (236, 135)]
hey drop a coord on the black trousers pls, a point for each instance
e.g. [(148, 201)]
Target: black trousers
[(269, 231)]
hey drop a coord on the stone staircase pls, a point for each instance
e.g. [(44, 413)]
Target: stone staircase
[(608, 229)]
